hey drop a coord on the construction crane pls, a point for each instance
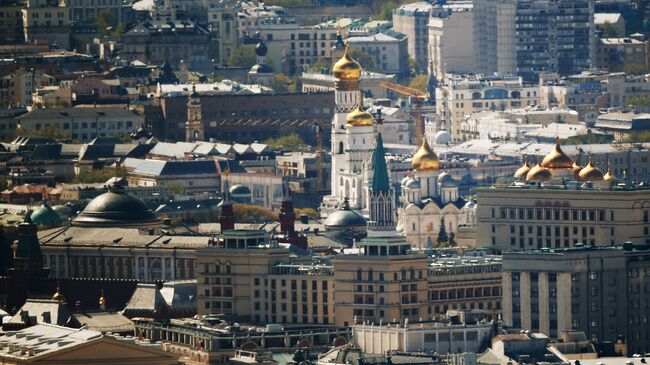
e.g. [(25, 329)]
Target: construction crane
[(416, 98)]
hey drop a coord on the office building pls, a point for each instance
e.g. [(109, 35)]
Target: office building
[(451, 40), (412, 20)]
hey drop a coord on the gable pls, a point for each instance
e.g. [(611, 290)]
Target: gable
[(109, 351)]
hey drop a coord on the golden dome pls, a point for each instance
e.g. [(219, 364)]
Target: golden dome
[(539, 173), (58, 296), (425, 159), (557, 159), (576, 170), (346, 68), (523, 170), (609, 176), (359, 118), (591, 173)]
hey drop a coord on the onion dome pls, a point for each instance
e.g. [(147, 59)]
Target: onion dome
[(425, 159), (116, 208), (576, 168), (609, 176), (359, 118), (523, 170), (591, 173), (412, 184), (346, 68), (45, 216), (260, 49), (557, 159), (194, 93), (539, 173), (58, 296)]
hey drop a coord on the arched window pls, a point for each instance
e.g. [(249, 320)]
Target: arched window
[(359, 275), (403, 274), (476, 95), (340, 147)]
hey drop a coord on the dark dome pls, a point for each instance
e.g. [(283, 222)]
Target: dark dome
[(46, 216), (116, 208), (261, 49), (345, 218)]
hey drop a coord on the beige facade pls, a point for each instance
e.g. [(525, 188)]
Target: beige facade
[(18, 88), (413, 20), (47, 21), (461, 96), (528, 217), (451, 40)]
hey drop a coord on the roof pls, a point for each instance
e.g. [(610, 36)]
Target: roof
[(116, 208), (157, 168), (379, 37), (173, 297), (77, 112), (105, 322), (602, 18), (380, 180), (44, 311)]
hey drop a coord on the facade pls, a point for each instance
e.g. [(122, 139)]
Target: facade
[(556, 204), (622, 125), (461, 96), (223, 24), (47, 21), (597, 290), (451, 40), (615, 54), (389, 52), (17, 88), (85, 11), (494, 36), (412, 20), (84, 123), (194, 176), (442, 337), (157, 41), (11, 26)]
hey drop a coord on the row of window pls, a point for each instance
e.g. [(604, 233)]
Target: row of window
[(590, 215)]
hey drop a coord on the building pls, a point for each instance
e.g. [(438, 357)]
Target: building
[(158, 41), (443, 336), (451, 40), (612, 21), (17, 88), (47, 21), (48, 343), (620, 54), (223, 24), (529, 37), (412, 20), (559, 204), (389, 51), (622, 125), (261, 73), (85, 11), (353, 134), (460, 96), (597, 290), (430, 200), (84, 123), (12, 24)]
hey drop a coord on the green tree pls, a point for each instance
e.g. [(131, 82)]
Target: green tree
[(612, 31), (291, 142), (99, 176), (588, 138), (366, 60), (634, 69), (319, 65), (414, 66), (244, 56), (386, 10), (637, 101), (49, 130), (108, 24), (638, 137), (442, 233), (282, 83), (253, 213), (420, 82)]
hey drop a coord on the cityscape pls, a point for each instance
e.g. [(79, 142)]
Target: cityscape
[(325, 182)]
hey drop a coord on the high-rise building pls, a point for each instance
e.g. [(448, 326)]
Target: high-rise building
[(598, 290), (451, 39), (413, 21), (529, 37)]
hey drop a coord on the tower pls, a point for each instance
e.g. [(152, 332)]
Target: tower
[(261, 73), (227, 215), (194, 126), (353, 134)]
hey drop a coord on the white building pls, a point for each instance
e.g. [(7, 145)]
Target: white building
[(430, 199), (353, 137), (451, 39)]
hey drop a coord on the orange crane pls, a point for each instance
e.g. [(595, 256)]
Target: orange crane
[(416, 98)]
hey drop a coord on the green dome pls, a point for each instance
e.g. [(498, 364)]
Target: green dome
[(45, 216)]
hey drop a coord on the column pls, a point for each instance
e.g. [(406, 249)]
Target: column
[(506, 301), (543, 300), (564, 302), (524, 294)]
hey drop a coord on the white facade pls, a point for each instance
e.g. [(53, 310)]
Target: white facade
[(451, 40)]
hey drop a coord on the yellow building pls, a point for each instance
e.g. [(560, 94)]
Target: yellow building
[(558, 203)]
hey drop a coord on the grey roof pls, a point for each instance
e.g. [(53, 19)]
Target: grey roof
[(105, 322), (174, 297), (40, 309), (76, 112)]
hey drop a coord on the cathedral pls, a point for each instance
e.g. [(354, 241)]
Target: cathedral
[(430, 200)]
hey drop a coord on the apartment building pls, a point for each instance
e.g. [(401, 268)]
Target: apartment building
[(47, 21), (413, 21), (451, 40)]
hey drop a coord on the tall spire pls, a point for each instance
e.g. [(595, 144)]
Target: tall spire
[(380, 182), (287, 215), (227, 215)]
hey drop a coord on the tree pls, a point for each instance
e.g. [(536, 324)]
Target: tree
[(175, 188), (291, 142), (612, 31), (282, 83), (107, 24), (99, 176), (311, 212), (452, 239), (588, 138), (442, 233), (244, 57), (49, 130), (637, 101), (638, 137), (366, 61), (420, 82), (253, 213), (319, 65), (386, 10), (634, 69), (414, 66)]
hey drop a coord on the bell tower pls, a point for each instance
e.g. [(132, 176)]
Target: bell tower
[(194, 126)]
